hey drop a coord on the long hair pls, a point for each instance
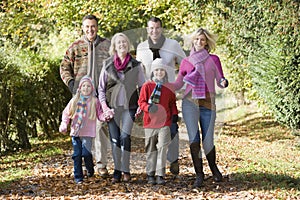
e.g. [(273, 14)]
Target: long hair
[(74, 107), (76, 98), (211, 38)]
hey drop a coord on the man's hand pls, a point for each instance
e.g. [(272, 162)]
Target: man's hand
[(71, 85)]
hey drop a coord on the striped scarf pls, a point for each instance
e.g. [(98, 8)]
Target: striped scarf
[(155, 96), (196, 78), (81, 111)]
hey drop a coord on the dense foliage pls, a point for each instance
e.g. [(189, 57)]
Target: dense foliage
[(32, 98), (263, 44), (258, 44)]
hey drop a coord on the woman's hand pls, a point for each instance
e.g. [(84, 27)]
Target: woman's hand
[(224, 82), (107, 112)]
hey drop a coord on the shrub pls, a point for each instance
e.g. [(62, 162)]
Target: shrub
[(32, 97)]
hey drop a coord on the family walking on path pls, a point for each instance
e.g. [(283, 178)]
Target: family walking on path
[(111, 87)]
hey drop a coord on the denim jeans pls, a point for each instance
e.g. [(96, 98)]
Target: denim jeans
[(82, 148), (194, 114), (120, 130)]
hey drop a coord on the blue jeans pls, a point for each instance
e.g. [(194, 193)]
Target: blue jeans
[(194, 114), (82, 148), (120, 139)]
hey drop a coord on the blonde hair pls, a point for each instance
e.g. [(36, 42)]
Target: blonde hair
[(112, 48), (211, 38)]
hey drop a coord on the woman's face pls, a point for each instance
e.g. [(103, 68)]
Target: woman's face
[(121, 45), (200, 42), (86, 88)]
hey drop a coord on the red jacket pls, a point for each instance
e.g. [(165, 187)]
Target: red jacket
[(166, 107)]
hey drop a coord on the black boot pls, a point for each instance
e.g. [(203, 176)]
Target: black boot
[(197, 161), (211, 158)]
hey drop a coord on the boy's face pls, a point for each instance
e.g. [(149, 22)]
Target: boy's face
[(159, 74), (86, 88)]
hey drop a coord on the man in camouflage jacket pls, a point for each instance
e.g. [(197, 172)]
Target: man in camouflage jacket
[(85, 56)]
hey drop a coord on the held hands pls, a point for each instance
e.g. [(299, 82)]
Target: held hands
[(108, 113), (63, 127), (152, 108)]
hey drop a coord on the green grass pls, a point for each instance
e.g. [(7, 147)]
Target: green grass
[(17, 165)]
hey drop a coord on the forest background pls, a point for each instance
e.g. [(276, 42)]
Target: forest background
[(258, 43)]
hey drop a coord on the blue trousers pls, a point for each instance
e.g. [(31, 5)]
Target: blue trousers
[(82, 148), (194, 116)]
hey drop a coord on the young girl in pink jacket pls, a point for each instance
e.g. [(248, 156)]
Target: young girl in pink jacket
[(83, 110)]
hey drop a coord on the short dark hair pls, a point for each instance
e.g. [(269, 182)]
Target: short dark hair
[(91, 17), (155, 19)]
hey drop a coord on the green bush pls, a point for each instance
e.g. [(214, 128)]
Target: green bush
[(263, 49), (32, 98), (276, 78)]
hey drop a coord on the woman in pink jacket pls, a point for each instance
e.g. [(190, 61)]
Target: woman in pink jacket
[(83, 109), (200, 70)]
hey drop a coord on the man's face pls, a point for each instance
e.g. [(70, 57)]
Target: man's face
[(154, 30), (90, 29)]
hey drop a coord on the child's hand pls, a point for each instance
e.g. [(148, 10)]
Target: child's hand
[(63, 127), (152, 108), (138, 112), (174, 118)]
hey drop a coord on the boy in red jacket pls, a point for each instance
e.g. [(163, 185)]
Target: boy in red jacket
[(158, 101)]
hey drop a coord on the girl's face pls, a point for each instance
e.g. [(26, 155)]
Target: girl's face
[(159, 74), (200, 42), (86, 88), (121, 45)]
